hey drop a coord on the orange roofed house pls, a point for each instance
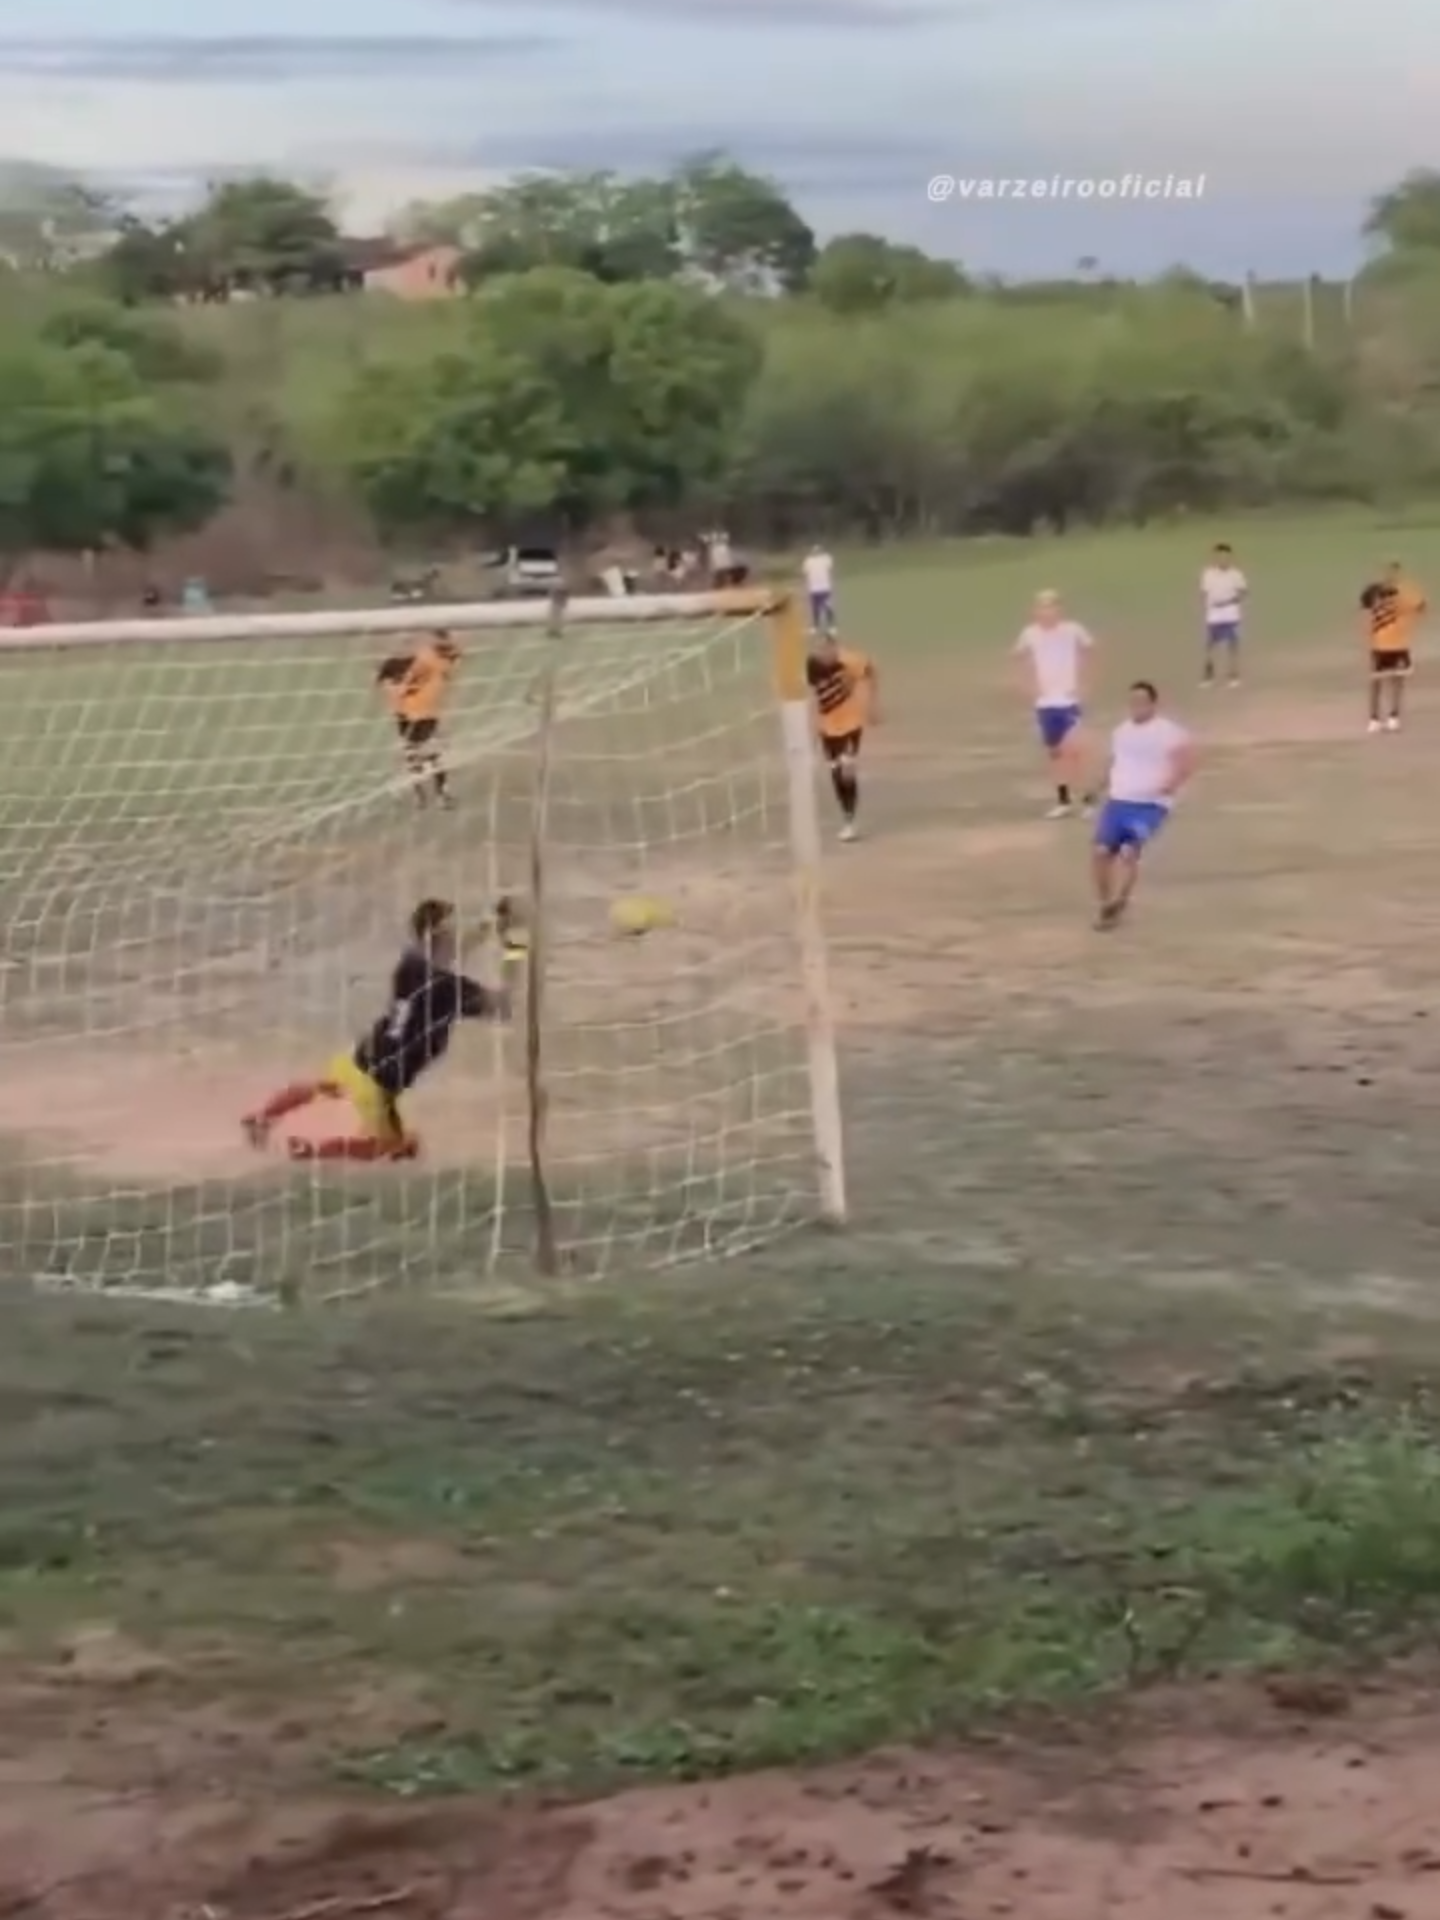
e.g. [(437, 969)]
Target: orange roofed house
[(408, 273)]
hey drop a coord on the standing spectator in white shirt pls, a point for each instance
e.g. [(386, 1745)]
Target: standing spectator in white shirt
[(819, 572), (1223, 588)]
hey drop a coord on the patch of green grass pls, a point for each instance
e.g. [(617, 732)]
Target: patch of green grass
[(774, 1524)]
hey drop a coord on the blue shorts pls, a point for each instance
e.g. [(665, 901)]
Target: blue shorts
[(1129, 823), (1056, 724), (822, 611), (1222, 633)]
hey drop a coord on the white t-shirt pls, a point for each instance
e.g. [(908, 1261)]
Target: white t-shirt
[(1223, 591), (1056, 654), (819, 573), (1141, 752)]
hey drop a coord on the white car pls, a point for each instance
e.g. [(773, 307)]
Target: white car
[(531, 573)]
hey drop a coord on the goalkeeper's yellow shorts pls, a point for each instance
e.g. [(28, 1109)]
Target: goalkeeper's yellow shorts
[(377, 1111)]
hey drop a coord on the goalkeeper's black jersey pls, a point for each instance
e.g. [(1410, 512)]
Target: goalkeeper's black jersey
[(425, 1003)]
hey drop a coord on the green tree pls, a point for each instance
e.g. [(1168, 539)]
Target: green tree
[(710, 215), (740, 228), (650, 378), (160, 354), (90, 459), (1406, 217), (863, 273), (262, 235), (464, 442), (148, 263), (681, 365), (51, 221), (461, 221), (566, 397), (596, 223)]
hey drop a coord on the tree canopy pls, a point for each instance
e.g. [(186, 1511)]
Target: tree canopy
[(668, 347), (1406, 217), (97, 449), (709, 217), (254, 236)]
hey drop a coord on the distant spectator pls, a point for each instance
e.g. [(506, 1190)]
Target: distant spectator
[(819, 572), (725, 569)]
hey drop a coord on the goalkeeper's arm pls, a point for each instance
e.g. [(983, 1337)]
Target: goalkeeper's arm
[(479, 1002), (504, 925)]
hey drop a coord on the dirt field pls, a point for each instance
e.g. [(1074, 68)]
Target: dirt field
[(1309, 1803), (1122, 1379)]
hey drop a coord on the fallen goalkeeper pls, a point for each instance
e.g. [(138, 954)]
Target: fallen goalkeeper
[(427, 1000)]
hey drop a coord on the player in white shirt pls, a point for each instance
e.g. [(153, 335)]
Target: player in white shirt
[(1223, 588), (1056, 651), (819, 572), (1151, 759)]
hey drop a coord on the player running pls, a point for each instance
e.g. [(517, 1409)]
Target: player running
[(1057, 650), (416, 686), (1390, 610), (1151, 759), (427, 999), (846, 691), (1223, 588), (819, 572)]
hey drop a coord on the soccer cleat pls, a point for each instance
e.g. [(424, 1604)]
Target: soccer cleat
[(1234, 683), (256, 1131), (1373, 727), (1059, 811), (1392, 725), (849, 832)]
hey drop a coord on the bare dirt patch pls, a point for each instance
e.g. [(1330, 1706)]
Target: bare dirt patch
[(370, 1566), (1307, 1803), (1289, 719)]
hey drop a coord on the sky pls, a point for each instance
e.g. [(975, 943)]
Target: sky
[(1292, 120)]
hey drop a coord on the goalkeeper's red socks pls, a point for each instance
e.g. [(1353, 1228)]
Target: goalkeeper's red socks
[(304, 1093)]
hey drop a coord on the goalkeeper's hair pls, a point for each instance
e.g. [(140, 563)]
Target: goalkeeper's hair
[(393, 669), (432, 917)]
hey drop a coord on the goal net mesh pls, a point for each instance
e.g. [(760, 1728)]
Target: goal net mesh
[(209, 851)]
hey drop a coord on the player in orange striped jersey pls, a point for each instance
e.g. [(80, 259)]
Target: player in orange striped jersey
[(846, 690), (416, 686)]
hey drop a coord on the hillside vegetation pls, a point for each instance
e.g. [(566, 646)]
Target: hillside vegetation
[(663, 350)]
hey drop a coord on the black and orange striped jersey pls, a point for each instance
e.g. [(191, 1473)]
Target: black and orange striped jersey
[(390, 678), (839, 682), (1392, 610), (415, 684)]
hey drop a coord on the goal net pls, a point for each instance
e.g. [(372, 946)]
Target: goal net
[(210, 844)]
